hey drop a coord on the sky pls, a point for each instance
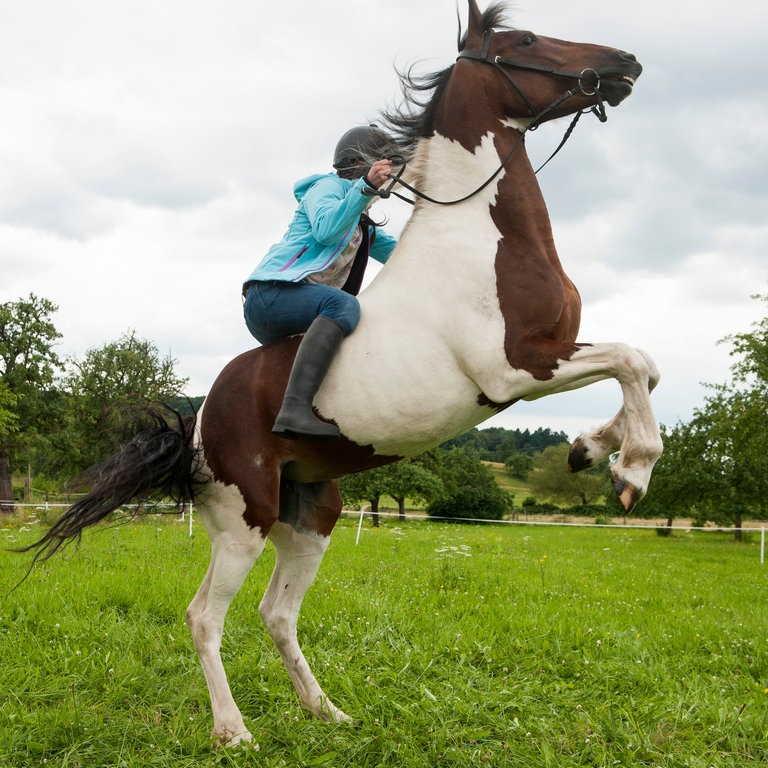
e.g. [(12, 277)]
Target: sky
[(148, 152)]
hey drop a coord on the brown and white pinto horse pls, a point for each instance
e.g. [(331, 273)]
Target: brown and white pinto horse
[(472, 312)]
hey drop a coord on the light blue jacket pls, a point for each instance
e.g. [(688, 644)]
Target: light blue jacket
[(325, 220)]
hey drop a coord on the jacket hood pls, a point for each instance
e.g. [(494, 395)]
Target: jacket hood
[(301, 187)]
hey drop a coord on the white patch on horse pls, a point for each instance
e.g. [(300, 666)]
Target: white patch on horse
[(425, 364)]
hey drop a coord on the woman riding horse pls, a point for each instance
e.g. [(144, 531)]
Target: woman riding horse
[(307, 282)]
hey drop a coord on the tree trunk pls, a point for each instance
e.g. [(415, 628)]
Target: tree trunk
[(401, 509), (28, 483), (738, 533), (6, 489), (375, 512)]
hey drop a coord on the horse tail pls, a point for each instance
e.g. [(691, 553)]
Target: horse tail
[(159, 462)]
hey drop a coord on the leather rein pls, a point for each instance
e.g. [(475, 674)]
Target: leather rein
[(591, 88)]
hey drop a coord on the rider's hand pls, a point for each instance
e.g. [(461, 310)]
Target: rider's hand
[(378, 173)]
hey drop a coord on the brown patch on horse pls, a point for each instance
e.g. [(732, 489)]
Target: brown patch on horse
[(239, 445), (486, 402)]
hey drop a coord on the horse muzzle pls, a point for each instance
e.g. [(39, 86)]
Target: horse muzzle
[(615, 80)]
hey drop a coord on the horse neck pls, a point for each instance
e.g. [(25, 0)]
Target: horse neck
[(445, 169)]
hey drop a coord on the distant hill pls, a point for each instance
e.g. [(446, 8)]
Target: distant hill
[(498, 444)]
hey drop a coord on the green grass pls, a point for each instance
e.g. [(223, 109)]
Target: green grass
[(521, 489), (449, 645)]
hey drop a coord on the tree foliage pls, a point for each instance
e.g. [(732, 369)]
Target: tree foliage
[(498, 444), (104, 387), (715, 467), (551, 479), (28, 366), (519, 465), (411, 479), (470, 489)]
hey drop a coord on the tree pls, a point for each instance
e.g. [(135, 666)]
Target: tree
[(499, 444), (364, 486), (28, 366), (470, 489), (680, 477), (551, 479), (412, 480), (409, 478), (735, 454), (716, 466), (102, 390), (519, 465)]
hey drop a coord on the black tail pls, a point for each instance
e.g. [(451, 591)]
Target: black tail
[(158, 463)]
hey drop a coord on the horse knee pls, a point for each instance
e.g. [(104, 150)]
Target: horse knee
[(279, 625)]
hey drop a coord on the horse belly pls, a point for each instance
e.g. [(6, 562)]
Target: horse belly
[(400, 402)]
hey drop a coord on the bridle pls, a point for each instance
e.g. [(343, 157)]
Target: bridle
[(484, 56)]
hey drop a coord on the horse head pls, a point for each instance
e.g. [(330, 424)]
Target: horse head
[(534, 78)]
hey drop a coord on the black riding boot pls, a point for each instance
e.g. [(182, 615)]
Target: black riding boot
[(313, 358)]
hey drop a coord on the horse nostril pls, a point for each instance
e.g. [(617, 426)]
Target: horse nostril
[(627, 55)]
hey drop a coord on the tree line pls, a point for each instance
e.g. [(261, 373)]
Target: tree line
[(57, 417)]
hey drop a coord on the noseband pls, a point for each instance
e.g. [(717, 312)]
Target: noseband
[(502, 65)]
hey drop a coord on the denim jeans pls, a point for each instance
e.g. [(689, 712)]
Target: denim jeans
[(275, 309)]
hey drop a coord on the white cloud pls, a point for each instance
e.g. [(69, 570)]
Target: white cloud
[(149, 150)]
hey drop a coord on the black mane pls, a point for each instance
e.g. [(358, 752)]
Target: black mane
[(413, 118)]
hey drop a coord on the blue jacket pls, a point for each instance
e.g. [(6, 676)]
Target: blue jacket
[(326, 218)]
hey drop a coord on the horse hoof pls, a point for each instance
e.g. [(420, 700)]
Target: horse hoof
[(578, 456), (243, 738), (332, 714), (628, 494)]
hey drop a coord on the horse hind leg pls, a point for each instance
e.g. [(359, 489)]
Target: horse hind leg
[(301, 538), (234, 550)]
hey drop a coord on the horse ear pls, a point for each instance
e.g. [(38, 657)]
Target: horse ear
[(475, 33)]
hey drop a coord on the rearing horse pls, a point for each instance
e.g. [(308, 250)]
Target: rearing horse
[(472, 313)]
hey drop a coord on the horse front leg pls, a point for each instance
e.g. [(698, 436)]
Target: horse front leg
[(300, 550), (592, 447), (633, 431)]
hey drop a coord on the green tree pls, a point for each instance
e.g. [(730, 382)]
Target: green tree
[(751, 352), (409, 478), (28, 366), (104, 387), (470, 489), (716, 466), (550, 479), (519, 465), (364, 487), (8, 418), (734, 424), (680, 477)]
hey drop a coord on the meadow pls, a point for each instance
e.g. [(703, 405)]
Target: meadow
[(449, 645)]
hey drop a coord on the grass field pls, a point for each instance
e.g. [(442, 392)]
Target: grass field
[(449, 645)]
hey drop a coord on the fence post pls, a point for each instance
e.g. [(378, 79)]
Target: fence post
[(762, 545)]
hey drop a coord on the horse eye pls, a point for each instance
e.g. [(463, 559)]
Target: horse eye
[(528, 40)]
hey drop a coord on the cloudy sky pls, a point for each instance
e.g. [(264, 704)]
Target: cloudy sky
[(148, 150)]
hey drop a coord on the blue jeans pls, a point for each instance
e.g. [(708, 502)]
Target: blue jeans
[(275, 309)]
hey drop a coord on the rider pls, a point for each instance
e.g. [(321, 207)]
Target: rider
[(307, 282)]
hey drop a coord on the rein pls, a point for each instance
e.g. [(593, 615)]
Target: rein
[(501, 64)]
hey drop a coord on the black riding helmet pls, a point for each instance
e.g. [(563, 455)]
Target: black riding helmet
[(360, 147)]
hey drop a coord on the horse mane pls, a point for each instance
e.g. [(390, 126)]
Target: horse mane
[(413, 119)]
